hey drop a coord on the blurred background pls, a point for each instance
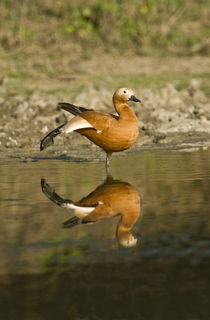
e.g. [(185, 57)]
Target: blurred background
[(82, 51), (144, 27)]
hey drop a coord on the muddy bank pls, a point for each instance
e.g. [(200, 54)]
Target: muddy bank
[(167, 117)]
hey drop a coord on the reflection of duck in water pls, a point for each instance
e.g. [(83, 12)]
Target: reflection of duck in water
[(108, 200)]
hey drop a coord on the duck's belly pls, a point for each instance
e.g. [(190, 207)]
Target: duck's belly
[(112, 141)]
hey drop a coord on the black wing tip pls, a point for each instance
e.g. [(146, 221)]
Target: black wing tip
[(60, 104), (46, 142), (71, 222), (48, 139), (51, 194), (65, 104), (43, 182), (71, 108), (41, 146), (46, 189)]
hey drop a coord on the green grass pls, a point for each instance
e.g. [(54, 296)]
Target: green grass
[(19, 83), (143, 25), (155, 81)]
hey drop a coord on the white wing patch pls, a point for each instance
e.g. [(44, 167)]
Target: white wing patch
[(80, 212), (75, 124)]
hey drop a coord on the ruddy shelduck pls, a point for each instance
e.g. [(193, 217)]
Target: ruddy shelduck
[(113, 133), (110, 199)]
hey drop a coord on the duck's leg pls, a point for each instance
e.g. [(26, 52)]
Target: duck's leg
[(108, 156), (107, 166)]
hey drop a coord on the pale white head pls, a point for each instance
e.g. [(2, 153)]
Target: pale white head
[(128, 241), (124, 95)]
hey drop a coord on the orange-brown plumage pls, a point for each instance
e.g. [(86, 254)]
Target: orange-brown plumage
[(110, 199), (110, 132), (116, 135)]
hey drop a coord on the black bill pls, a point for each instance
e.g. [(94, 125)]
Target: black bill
[(133, 98)]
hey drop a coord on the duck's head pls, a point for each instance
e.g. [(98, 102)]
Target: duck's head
[(124, 95), (127, 240)]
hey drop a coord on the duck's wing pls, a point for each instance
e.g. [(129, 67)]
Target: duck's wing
[(84, 119), (48, 140), (80, 210), (100, 121), (52, 195), (94, 120), (71, 108), (77, 110), (89, 214), (74, 124)]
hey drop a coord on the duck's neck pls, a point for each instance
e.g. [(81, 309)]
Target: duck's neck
[(127, 221), (124, 111)]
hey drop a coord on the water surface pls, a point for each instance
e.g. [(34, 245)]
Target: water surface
[(86, 271)]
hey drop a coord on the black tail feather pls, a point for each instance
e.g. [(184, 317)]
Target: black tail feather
[(71, 108), (48, 139), (51, 194), (71, 222)]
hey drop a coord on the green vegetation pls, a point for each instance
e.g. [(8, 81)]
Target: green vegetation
[(18, 83), (155, 81), (46, 46), (142, 25), (64, 252)]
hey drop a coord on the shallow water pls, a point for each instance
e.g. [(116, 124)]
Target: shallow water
[(86, 271)]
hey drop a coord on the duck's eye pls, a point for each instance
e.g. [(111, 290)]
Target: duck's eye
[(124, 91)]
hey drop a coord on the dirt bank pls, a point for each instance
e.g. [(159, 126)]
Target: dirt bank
[(167, 116)]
